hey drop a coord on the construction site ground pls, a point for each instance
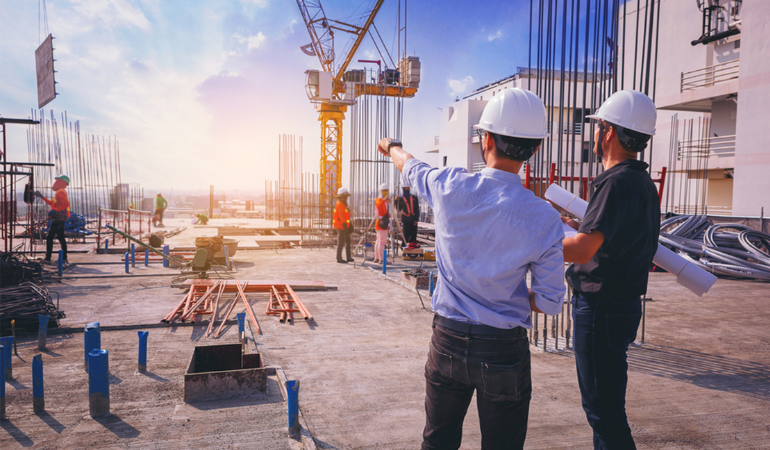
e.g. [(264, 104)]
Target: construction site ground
[(701, 379)]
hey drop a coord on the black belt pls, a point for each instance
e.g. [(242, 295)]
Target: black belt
[(469, 328)]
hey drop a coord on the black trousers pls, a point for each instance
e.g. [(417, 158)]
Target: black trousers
[(497, 368), (604, 328), (410, 231), (343, 238), (56, 231)]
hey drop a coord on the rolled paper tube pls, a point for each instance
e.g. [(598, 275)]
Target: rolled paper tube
[(567, 200), (696, 279), (669, 261)]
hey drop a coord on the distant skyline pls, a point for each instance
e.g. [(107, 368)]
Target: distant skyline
[(197, 92)]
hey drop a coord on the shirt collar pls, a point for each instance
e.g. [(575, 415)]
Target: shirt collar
[(501, 175), (627, 164)]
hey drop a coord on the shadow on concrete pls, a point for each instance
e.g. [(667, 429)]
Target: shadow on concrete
[(702, 369), (243, 264), (273, 395), (114, 379), (155, 377), (118, 427), (16, 433), (51, 422), (199, 331), (15, 384), (51, 353)]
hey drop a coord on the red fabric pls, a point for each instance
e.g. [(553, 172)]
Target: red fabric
[(381, 205), (341, 215)]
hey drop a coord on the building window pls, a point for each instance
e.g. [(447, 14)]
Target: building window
[(445, 161), (584, 154)]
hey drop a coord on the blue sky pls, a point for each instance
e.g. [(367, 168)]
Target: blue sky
[(198, 91)]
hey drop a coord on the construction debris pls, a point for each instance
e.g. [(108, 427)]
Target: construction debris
[(727, 249), (24, 302), (16, 268)]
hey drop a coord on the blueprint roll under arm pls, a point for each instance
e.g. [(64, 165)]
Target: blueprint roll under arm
[(687, 273)]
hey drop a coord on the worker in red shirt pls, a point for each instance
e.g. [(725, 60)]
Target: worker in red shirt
[(60, 212), (341, 222), (382, 222)]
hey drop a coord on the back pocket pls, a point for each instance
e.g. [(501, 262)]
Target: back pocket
[(439, 365), (507, 383)]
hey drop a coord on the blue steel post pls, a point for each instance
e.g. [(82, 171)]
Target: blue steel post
[(146, 257), (38, 398), (60, 262), (241, 326), (384, 261), (142, 363), (165, 252), (2, 380), (98, 383), (7, 342), (92, 339), (292, 394), (106, 245), (133, 255), (430, 275), (42, 332), (127, 258), (227, 258)]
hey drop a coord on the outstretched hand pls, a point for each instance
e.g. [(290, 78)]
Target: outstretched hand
[(38, 194), (382, 146)]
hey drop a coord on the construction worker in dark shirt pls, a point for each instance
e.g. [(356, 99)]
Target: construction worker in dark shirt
[(613, 252), (409, 205)]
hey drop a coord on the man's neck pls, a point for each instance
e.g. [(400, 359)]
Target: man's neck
[(616, 156)]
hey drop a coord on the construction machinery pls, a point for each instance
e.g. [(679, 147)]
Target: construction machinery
[(333, 88)]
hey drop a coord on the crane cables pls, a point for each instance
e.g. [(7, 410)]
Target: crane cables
[(729, 250)]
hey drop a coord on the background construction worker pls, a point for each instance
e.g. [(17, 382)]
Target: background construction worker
[(482, 303), (202, 219), (382, 222), (160, 206), (341, 222), (613, 252), (409, 205), (60, 212)]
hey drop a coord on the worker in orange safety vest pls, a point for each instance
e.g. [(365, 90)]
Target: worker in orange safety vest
[(341, 222), (60, 212)]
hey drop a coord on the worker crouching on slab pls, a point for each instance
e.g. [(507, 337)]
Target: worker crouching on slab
[(613, 252), (60, 212), (202, 219), (490, 231), (341, 222), (409, 205), (382, 222)]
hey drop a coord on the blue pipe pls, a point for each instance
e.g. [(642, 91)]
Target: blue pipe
[(7, 342), (2, 380), (292, 394), (60, 263), (92, 339), (133, 255), (241, 323), (38, 398), (142, 363), (165, 252), (146, 257), (106, 245), (384, 261), (127, 258), (42, 332), (430, 274), (99, 383)]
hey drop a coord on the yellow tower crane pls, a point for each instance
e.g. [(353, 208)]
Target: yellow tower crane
[(332, 94)]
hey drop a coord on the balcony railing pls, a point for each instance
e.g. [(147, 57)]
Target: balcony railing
[(709, 76), (478, 167), (721, 147), (435, 140)]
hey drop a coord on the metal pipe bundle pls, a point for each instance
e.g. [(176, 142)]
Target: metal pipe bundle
[(24, 302)]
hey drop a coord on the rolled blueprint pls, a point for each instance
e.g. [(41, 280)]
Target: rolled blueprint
[(687, 274)]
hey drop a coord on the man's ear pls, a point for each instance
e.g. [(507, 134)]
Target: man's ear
[(490, 143)]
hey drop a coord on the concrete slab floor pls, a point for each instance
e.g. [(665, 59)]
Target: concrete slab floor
[(701, 380)]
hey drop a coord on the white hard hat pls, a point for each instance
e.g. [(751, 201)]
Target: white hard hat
[(629, 109), (516, 113), (343, 191), (384, 187)]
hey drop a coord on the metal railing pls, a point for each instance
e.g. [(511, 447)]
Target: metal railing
[(721, 147), (478, 167), (709, 76)]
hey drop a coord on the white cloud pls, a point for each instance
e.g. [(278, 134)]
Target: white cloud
[(251, 41), (497, 35), (458, 87)]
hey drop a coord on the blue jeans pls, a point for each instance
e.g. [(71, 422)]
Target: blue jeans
[(497, 368), (604, 328)]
